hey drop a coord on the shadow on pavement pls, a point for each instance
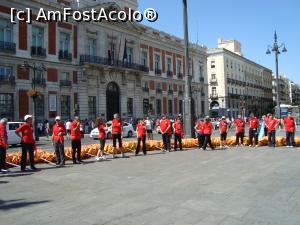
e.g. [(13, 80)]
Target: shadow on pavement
[(18, 203), (17, 174), (3, 182)]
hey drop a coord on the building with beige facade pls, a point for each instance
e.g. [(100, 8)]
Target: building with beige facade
[(237, 85), (89, 72)]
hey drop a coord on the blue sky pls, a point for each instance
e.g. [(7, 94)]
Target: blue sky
[(252, 22)]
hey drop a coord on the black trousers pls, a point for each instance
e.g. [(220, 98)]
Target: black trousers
[(266, 131), (59, 152), (272, 138), (290, 139), (167, 141), (139, 140), (178, 139), (2, 157), (76, 150), (115, 138), (239, 136), (102, 144), (27, 148), (201, 138), (207, 140), (253, 134)]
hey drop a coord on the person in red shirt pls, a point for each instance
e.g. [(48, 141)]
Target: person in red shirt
[(271, 123), (27, 142), (166, 131), (290, 128), (102, 136), (3, 145), (76, 140), (240, 130), (207, 130), (223, 127), (116, 131), (253, 130), (58, 132), (200, 134), (141, 137), (178, 133)]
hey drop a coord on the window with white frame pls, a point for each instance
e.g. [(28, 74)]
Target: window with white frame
[(65, 76), (169, 64), (6, 31), (37, 36), (64, 42), (157, 61), (144, 58), (213, 64), (92, 46), (129, 55), (178, 66), (5, 71)]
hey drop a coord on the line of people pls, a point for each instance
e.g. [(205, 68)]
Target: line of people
[(204, 129)]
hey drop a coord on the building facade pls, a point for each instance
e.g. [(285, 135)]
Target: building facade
[(295, 94), (94, 69), (285, 94), (237, 85)]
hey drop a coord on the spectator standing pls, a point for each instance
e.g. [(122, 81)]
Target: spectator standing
[(3, 145), (102, 136), (117, 131), (200, 132), (58, 133), (141, 137), (253, 130), (290, 128), (271, 124), (240, 131), (207, 130), (165, 128), (178, 133), (223, 127), (76, 141)]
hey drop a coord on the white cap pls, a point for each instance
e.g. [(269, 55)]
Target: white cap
[(27, 117), (57, 118)]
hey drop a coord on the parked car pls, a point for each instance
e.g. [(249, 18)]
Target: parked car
[(128, 131), (11, 127)]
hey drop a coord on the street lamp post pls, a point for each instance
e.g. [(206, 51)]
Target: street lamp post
[(187, 99), (276, 49), (34, 96)]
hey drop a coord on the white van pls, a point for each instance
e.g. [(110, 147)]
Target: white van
[(11, 127)]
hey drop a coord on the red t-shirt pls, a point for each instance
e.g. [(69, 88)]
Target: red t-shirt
[(116, 126), (102, 133), (223, 127), (164, 124), (207, 128), (3, 135), (141, 130), (289, 124), (58, 128), (271, 123), (75, 134), (27, 133), (200, 127), (178, 127), (240, 125), (253, 123)]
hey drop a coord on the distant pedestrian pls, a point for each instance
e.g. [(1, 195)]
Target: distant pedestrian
[(166, 131), (290, 128), (223, 127), (102, 136), (68, 129), (178, 133), (207, 130), (76, 141), (27, 142), (3, 145), (117, 131), (149, 127), (141, 137), (200, 132), (271, 124), (239, 131), (47, 129), (253, 130), (58, 133)]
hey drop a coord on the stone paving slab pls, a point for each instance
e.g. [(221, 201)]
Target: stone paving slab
[(241, 186)]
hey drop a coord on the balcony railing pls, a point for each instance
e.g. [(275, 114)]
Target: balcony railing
[(170, 92), (179, 75), (158, 90), (213, 81), (214, 96), (38, 51), (111, 62), (65, 83), (65, 55), (8, 47), (10, 80), (145, 89), (157, 71), (170, 73)]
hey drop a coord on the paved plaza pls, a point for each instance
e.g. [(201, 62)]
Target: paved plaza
[(240, 186)]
